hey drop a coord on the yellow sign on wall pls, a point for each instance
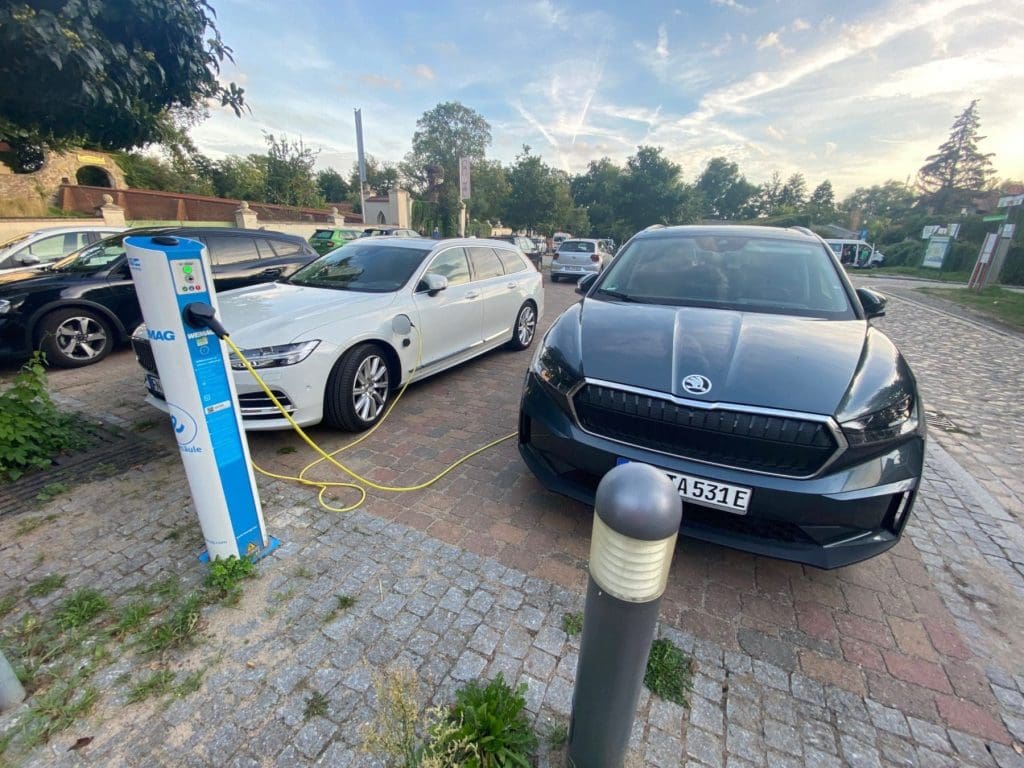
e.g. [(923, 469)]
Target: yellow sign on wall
[(94, 159)]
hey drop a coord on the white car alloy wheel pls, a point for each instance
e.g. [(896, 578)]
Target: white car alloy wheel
[(525, 327), (370, 388)]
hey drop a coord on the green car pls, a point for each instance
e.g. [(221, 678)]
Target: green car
[(324, 240)]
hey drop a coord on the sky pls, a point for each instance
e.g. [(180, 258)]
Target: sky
[(857, 93)]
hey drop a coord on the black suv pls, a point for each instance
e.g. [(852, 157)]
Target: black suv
[(527, 246), (77, 310)]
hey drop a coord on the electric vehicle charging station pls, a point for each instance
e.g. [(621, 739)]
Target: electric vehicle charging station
[(174, 283)]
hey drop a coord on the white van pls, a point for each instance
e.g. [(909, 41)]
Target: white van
[(856, 253), (558, 238)]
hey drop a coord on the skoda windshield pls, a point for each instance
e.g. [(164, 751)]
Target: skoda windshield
[(742, 273), (364, 267)]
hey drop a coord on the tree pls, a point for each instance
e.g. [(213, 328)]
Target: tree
[(822, 203), (443, 135), (653, 192), (958, 170), (241, 178), (489, 191), (106, 74), (726, 193), (768, 195), (332, 185), (599, 192), (289, 178), (879, 206), (793, 194), (532, 192)]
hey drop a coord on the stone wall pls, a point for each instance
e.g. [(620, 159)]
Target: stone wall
[(57, 168)]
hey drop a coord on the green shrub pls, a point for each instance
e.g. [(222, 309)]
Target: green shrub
[(32, 430), (491, 722), (961, 257), (225, 577), (907, 253), (1013, 267)]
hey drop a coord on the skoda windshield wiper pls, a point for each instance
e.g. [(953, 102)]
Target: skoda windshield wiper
[(619, 295)]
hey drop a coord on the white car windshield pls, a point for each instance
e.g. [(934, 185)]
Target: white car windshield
[(362, 266), (747, 274)]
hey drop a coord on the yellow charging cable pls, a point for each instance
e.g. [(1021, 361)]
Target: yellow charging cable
[(362, 482)]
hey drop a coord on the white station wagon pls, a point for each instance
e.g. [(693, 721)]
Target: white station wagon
[(338, 336)]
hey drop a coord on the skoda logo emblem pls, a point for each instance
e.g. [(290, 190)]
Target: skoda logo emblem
[(696, 384)]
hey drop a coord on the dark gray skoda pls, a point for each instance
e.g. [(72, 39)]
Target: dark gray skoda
[(740, 361)]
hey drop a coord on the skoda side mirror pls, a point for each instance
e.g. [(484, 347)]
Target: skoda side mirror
[(28, 259), (873, 303), (584, 283), (435, 283)]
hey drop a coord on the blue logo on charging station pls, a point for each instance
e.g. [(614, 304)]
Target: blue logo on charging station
[(184, 426), (160, 335)]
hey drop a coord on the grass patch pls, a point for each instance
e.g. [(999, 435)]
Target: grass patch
[(286, 449), (302, 572), (7, 603), (159, 683), (922, 272), (341, 604), (557, 735), (82, 607), (189, 684), (316, 706), (669, 672), (132, 616), (51, 491), (572, 623), (47, 585), (144, 425), (61, 706), (32, 523), (177, 630), (995, 301)]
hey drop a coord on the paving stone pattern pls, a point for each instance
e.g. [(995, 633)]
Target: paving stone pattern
[(910, 659)]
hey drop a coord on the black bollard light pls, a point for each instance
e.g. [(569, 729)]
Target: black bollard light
[(637, 513)]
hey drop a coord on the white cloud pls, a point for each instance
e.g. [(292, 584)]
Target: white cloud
[(830, 148), (733, 4), (379, 81), (771, 40), (424, 72), (774, 132), (799, 25), (662, 48)]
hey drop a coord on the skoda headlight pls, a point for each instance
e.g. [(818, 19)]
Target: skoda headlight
[(550, 367), (275, 357), (900, 418)]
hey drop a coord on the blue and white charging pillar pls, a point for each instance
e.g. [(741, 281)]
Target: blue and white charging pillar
[(170, 274)]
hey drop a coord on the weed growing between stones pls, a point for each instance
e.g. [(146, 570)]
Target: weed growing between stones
[(316, 706), (487, 725), (572, 623), (49, 583), (30, 524), (669, 672), (226, 575)]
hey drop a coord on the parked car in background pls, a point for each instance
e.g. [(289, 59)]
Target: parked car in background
[(335, 340), (558, 238), (386, 229), (541, 243), (856, 253), (527, 246), (609, 245), (742, 362), (78, 309), (324, 240), (575, 258), (49, 244)]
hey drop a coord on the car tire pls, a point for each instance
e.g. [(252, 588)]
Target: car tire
[(358, 389), (74, 337), (525, 329), (555, 278)]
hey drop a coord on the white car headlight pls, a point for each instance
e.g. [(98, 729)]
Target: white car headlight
[(893, 421), (277, 356)]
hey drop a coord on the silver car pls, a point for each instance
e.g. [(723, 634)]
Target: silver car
[(578, 257), (46, 245)]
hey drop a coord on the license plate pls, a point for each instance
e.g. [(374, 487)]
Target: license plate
[(574, 269), (153, 384), (710, 493)]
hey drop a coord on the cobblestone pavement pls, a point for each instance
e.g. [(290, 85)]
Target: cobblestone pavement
[(913, 658)]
